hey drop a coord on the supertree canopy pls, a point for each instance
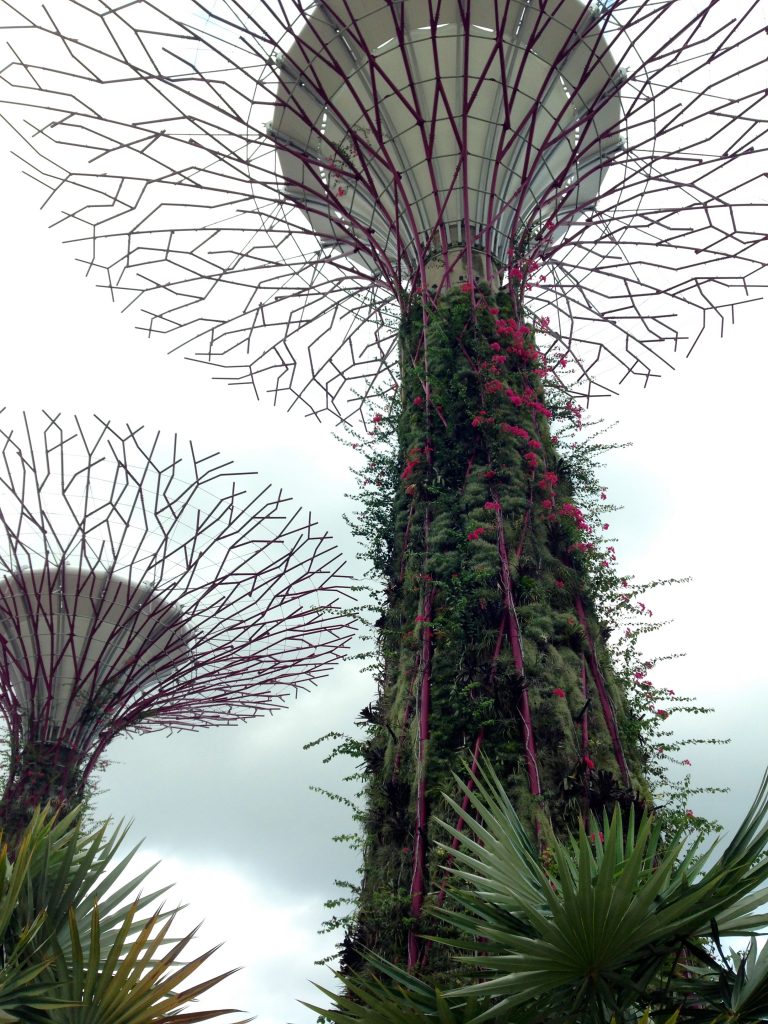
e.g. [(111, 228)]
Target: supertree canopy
[(269, 185), (145, 587), (489, 206)]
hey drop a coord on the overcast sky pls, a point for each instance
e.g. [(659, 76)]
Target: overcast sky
[(229, 812)]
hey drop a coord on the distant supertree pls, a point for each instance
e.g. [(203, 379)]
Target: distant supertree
[(463, 200), (145, 587)]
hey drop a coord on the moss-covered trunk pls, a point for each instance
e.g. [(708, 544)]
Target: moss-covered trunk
[(489, 639)]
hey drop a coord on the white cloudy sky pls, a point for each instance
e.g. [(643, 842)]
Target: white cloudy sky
[(229, 812)]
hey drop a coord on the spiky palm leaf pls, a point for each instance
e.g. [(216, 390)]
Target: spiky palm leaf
[(83, 950), (601, 931), (616, 925)]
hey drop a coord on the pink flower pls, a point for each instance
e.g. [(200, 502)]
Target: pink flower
[(475, 533), (535, 444), (689, 813), (467, 286), (592, 837), (409, 468), (685, 761), (661, 713), (495, 346), (492, 506), (341, 191), (603, 496), (377, 418), (588, 761), (489, 474), (557, 692), (606, 526), (559, 584), (493, 310), (418, 400), (517, 431)]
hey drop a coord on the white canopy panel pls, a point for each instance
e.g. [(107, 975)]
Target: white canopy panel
[(411, 134)]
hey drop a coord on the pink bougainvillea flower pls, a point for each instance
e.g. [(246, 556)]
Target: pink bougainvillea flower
[(533, 443), (377, 418), (467, 286), (418, 400), (409, 468), (474, 534), (689, 813), (606, 526), (559, 584), (531, 459), (547, 503), (492, 506), (661, 713), (685, 761), (588, 761), (592, 837), (495, 346), (493, 310), (557, 692), (341, 191), (489, 474)]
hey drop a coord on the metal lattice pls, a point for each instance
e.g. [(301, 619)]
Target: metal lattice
[(144, 587), (266, 185)]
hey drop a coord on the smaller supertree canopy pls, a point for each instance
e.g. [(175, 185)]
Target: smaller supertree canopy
[(144, 587)]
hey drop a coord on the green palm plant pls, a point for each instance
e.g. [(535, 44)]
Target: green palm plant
[(621, 920), (78, 943)]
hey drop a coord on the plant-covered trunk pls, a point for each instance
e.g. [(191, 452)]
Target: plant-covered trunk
[(489, 639), (40, 774)]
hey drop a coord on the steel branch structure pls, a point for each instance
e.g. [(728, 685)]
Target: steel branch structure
[(268, 185), (146, 587)]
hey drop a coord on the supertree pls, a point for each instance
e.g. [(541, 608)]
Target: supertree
[(143, 587), (494, 206)]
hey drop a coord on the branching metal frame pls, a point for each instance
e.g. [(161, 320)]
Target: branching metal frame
[(206, 168), (145, 587)]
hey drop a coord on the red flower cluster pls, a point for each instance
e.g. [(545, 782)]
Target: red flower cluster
[(588, 761), (517, 431), (474, 534), (570, 511), (549, 479), (557, 692), (492, 506)]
